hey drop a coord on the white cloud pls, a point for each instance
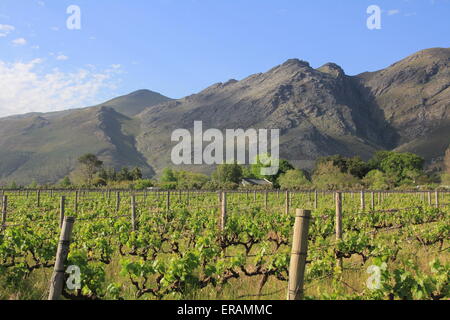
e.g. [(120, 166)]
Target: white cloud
[(393, 11), (19, 42), (6, 29), (62, 57), (25, 88)]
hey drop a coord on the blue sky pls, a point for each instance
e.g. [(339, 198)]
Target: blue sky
[(180, 47)]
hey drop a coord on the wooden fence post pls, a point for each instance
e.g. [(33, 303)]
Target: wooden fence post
[(223, 211), (372, 200), (57, 282), (168, 201), (363, 201), (287, 203), (38, 194), (436, 196), (76, 202), (117, 201), (429, 198), (315, 199), (4, 211), (133, 213), (339, 224), (298, 255), (62, 207)]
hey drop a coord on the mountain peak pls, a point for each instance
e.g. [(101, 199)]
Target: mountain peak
[(142, 92), (135, 102), (296, 63), (332, 69)]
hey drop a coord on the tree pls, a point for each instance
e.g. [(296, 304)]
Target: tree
[(355, 166), (124, 175), (400, 165), (283, 167), (136, 174), (90, 165), (168, 175), (13, 185), (143, 184), (294, 180), (33, 185), (377, 158), (190, 180), (328, 176), (66, 183), (376, 180), (228, 173)]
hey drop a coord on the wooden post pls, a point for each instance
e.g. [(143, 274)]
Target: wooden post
[(339, 224), (117, 201), (4, 211), (38, 194), (62, 207), (372, 200), (223, 215), (315, 199), (363, 202), (57, 282), (168, 201), (76, 202), (133, 213), (436, 196), (287, 203), (298, 255), (429, 198)]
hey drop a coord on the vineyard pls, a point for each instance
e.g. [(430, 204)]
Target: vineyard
[(224, 245)]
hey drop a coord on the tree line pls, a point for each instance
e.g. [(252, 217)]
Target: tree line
[(385, 170)]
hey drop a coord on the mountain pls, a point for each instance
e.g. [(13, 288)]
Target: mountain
[(319, 111), (135, 102), (414, 95), (45, 147)]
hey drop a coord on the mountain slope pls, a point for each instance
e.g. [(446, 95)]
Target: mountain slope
[(135, 102), (46, 149), (320, 112)]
